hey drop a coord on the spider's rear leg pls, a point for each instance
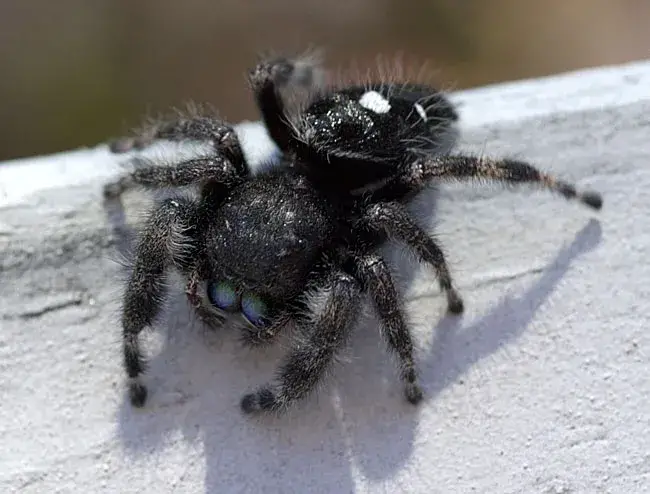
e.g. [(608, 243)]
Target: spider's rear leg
[(378, 281), (509, 171), (270, 77), (194, 171), (168, 240), (308, 361), (200, 128), (394, 220)]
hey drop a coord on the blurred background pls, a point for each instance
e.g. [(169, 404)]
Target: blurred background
[(77, 72)]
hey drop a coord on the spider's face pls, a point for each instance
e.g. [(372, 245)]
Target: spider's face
[(227, 297), (264, 242)]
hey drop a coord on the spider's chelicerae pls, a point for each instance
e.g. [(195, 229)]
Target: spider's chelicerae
[(299, 242)]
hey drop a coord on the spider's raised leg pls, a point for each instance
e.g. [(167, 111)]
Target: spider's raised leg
[(378, 281), (394, 220), (195, 171), (169, 240), (269, 77), (308, 361), (512, 172)]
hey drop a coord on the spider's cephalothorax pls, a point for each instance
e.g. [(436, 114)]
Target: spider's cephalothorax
[(298, 242)]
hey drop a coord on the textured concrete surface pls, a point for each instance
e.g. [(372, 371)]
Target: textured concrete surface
[(540, 388)]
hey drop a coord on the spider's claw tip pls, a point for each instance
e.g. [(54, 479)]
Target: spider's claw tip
[(262, 400), (137, 394), (455, 304), (414, 394), (249, 404), (592, 199)]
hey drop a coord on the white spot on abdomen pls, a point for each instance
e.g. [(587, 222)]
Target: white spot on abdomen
[(374, 101), (421, 112)]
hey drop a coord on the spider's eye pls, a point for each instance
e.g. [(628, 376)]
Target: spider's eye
[(223, 295), (254, 309)]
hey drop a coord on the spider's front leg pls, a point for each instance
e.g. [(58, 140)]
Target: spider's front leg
[(169, 240), (309, 359)]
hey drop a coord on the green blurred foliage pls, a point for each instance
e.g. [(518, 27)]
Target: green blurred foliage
[(76, 72)]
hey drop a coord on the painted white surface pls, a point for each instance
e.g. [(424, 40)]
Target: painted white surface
[(540, 388)]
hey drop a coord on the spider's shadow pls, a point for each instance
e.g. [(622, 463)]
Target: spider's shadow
[(196, 389), (455, 349)]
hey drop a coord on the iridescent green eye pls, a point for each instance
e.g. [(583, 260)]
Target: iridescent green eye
[(223, 295), (254, 309)]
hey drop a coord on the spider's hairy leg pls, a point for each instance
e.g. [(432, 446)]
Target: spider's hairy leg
[(394, 220), (194, 127), (194, 171), (269, 77), (168, 240), (378, 281), (308, 360), (509, 171)]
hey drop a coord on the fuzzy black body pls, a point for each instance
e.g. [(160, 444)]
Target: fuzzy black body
[(299, 242), (281, 225)]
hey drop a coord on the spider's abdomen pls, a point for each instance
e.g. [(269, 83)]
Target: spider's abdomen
[(362, 134), (269, 234)]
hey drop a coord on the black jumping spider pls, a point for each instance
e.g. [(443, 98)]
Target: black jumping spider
[(298, 242)]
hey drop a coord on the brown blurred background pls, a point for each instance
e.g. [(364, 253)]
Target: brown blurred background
[(76, 72)]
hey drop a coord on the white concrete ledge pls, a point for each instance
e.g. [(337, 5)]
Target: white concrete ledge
[(542, 387)]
